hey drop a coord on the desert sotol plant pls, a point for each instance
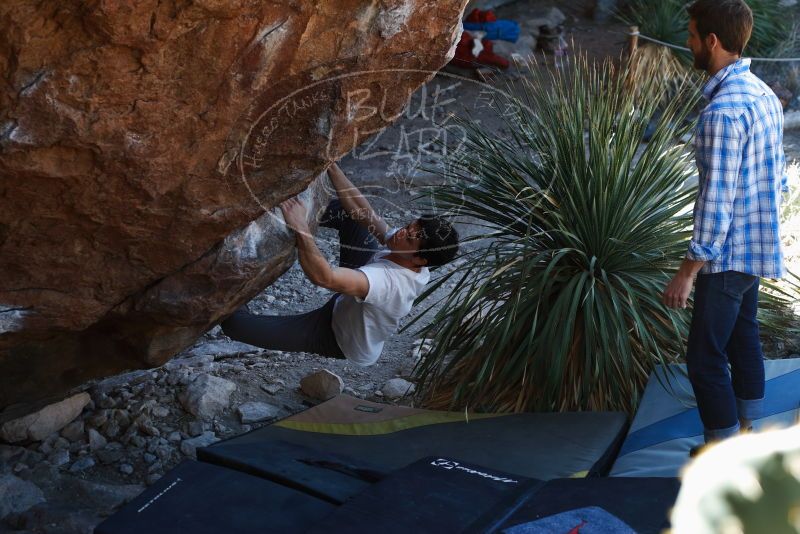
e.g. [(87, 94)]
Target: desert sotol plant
[(581, 226)]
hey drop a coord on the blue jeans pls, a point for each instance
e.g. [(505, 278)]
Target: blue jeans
[(724, 332)]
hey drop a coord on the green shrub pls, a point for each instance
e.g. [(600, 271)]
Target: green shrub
[(557, 303), (666, 20), (559, 306), (777, 312)]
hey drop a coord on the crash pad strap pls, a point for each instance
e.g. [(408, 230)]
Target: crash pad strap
[(377, 428), (781, 396)]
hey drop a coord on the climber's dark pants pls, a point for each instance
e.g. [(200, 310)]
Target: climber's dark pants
[(311, 331), (356, 244)]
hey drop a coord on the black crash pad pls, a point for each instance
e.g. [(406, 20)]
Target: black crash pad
[(544, 446), (200, 498), (435, 494), (330, 477)]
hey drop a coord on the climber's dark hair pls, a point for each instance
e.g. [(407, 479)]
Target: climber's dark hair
[(439, 240)]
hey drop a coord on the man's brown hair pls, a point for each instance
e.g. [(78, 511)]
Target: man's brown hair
[(730, 20)]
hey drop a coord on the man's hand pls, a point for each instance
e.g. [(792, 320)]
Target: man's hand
[(295, 215), (677, 293), (313, 263)]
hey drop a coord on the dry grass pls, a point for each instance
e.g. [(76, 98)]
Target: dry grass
[(650, 60)]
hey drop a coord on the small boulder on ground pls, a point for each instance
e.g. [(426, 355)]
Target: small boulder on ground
[(38, 425), (75, 431), (274, 388), (322, 385), (195, 428), (81, 464), (207, 396), (189, 446), (53, 442), (254, 412), (59, 458), (397, 387), (96, 440), (111, 454)]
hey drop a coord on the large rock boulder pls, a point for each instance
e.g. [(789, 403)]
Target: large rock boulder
[(144, 145)]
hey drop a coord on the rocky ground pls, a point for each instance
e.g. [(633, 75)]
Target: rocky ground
[(81, 460)]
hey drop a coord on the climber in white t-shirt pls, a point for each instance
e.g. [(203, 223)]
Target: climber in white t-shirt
[(374, 288)]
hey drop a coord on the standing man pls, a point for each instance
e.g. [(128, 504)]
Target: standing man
[(736, 240)]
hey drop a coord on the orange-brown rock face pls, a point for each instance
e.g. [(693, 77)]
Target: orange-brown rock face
[(143, 145)]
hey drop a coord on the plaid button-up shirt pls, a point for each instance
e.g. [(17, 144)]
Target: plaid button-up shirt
[(739, 150)]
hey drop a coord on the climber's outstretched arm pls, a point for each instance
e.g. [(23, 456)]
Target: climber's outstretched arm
[(317, 269), (356, 205)]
